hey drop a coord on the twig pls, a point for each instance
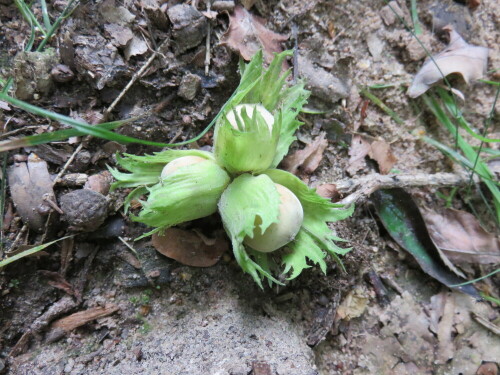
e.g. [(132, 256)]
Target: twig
[(18, 238), (207, 44), (68, 162), (360, 189), (134, 78)]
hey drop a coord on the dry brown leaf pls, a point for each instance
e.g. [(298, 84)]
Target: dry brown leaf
[(458, 57), (382, 154), (137, 46), (120, 35), (307, 159), (80, 318), (29, 183), (380, 151), (354, 304), (189, 248), (247, 34), (460, 236), (357, 152), (328, 191)]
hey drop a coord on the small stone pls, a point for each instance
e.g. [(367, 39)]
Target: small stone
[(62, 73), (391, 12), (189, 86), (415, 50), (189, 26), (84, 210), (81, 161)]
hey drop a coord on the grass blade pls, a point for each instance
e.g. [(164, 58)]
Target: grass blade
[(382, 106), (45, 15), (59, 135), (25, 253), (414, 18)]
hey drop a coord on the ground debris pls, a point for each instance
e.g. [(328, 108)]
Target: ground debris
[(190, 248), (460, 236), (189, 27), (458, 57), (378, 150), (84, 210), (247, 34), (30, 184), (307, 159)]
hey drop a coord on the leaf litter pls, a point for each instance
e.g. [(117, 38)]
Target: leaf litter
[(378, 150), (458, 57), (460, 236), (247, 34)]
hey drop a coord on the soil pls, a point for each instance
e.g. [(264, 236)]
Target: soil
[(173, 319)]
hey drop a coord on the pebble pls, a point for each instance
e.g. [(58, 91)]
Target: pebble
[(84, 210), (190, 84), (189, 26)]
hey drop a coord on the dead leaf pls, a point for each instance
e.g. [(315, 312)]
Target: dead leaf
[(188, 248), (328, 191), (307, 159), (247, 34), (446, 348), (80, 318), (58, 281), (4, 105), (488, 368), (458, 57), (460, 236), (354, 304), (137, 46), (359, 149), (120, 35), (380, 151), (29, 183)]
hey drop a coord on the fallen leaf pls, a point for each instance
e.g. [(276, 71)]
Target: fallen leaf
[(488, 368), (354, 304), (357, 152), (381, 152), (328, 191), (189, 248), (58, 281), (458, 57), (120, 35), (307, 159), (247, 34), (460, 236), (137, 46), (401, 217), (4, 106), (29, 183), (80, 318)]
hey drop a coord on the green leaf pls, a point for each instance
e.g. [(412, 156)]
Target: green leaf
[(246, 198), (402, 219), (291, 103), (318, 211), (302, 248), (146, 169), (189, 193)]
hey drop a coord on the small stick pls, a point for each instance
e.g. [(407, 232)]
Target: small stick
[(361, 188), (207, 44), (68, 162), (18, 238), (134, 78)]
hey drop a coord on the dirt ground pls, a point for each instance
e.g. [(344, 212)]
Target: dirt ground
[(157, 316)]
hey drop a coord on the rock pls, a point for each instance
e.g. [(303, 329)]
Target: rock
[(325, 87), (100, 182), (84, 210), (391, 12), (189, 86), (189, 27), (375, 46), (81, 161), (32, 73), (415, 51)]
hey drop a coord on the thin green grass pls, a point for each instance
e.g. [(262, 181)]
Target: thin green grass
[(478, 279), (379, 103), (417, 29), (28, 252)]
